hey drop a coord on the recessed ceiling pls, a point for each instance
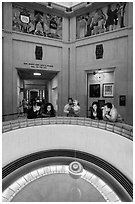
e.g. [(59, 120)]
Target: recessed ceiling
[(27, 74)]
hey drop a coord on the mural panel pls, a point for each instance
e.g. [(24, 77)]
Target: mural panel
[(36, 23), (101, 20)]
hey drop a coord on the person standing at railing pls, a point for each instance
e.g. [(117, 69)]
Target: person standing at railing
[(110, 113), (25, 106), (48, 111), (20, 109), (72, 109), (76, 108), (95, 111), (68, 108), (33, 111)]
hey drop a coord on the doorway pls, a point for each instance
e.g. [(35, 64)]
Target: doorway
[(43, 87), (96, 80), (33, 95)]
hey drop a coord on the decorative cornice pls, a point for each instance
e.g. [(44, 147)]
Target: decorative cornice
[(84, 40)]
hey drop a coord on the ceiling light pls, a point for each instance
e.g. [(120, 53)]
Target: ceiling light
[(37, 74)]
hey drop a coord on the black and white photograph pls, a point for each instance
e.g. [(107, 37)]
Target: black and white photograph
[(67, 101)]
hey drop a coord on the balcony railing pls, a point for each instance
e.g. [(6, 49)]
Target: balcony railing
[(118, 128)]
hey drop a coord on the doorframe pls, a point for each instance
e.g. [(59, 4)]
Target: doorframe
[(90, 71)]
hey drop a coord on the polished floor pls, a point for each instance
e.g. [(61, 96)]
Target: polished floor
[(59, 183), (59, 188)]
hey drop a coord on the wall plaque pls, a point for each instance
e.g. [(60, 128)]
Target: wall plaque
[(99, 51), (37, 65), (122, 100), (38, 53)]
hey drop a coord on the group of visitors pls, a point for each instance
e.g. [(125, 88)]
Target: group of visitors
[(107, 113), (36, 109), (72, 109), (42, 111)]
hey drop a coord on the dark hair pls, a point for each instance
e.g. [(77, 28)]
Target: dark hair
[(95, 103), (52, 108), (70, 99), (109, 105)]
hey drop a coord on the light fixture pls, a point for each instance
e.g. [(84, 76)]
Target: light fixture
[(75, 170), (99, 76), (37, 74)]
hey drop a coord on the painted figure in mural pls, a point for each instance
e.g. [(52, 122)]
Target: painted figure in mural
[(101, 21), (31, 26), (16, 21), (39, 25), (98, 22), (53, 23), (46, 25), (53, 26), (88, 19), (121, 13), (94, 23), (110, 20), (116, 17), (116, 11), (82, 26), (59, 26)]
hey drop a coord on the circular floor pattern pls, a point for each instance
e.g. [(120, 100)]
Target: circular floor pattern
[(54, 184), (57, 188)]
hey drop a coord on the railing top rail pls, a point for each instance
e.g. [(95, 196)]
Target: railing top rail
[(118, 128)]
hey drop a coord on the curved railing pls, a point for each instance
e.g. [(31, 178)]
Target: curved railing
[(118, 128)]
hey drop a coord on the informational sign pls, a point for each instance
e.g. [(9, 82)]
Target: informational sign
[(122, 100), (37, 65)]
